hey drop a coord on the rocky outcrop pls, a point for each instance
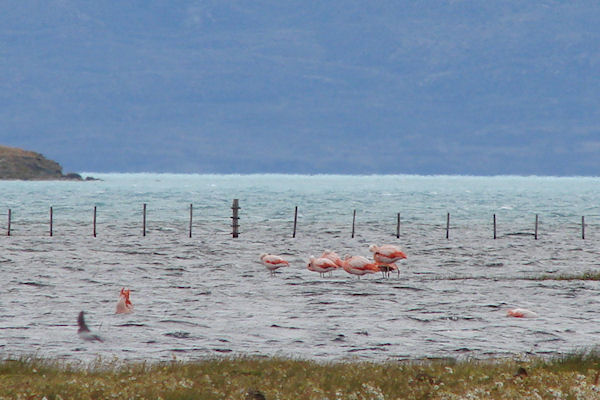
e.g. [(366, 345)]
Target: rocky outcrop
[(18, 164)]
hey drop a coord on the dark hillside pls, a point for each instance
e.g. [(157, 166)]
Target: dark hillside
[(18, 164)]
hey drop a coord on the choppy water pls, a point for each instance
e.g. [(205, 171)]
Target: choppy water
[(208, 295)]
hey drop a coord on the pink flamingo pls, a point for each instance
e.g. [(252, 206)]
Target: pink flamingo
[(359, 265), (520, 313), (321, 265), (273, 262), (387, 255), (124, 305), (333, 256)]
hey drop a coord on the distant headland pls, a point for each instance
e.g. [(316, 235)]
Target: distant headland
[(18, 164)]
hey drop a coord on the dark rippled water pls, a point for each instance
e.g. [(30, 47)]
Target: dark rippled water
[(208, 295)]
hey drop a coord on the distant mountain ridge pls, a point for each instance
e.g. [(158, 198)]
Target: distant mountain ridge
[(18, 164), (342, 86)]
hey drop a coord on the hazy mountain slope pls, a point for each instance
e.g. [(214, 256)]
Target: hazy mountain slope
[(306, 86)]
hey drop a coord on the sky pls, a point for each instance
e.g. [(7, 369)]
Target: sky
[(281, 86)]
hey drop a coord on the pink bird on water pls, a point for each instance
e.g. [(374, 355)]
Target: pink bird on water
[(333, 256), (321, 265), (124, 305), (386, 255), (273, 262), (359, 266), (520, 313)]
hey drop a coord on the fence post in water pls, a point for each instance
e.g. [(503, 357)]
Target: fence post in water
[(94, 221), (295, 221), (582, 227), (9, 216), (191, 213), (50, 220), (144, 221), (448, 226), (398, 227), (494, 226), (536, 227), (235, 225), (353, 221)]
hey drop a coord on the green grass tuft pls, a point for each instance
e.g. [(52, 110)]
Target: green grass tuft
[(585, 276)]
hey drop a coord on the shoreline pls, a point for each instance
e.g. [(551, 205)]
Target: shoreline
[(575, 375)]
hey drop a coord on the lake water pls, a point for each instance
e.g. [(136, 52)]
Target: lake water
[(208, 295)]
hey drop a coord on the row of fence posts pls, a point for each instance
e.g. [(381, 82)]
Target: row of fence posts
[(236, 226)]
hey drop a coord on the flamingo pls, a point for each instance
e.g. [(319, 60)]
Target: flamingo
[(359, 265), (84, 332), (321, 265), (520, 313), (333, 256), (273, 262), (387, 254), (124, 305), (387, 268)]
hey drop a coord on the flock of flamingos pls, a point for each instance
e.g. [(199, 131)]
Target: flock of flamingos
[(383, 261), (384, 258)]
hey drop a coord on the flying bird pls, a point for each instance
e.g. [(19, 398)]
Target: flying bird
[(84, 332)]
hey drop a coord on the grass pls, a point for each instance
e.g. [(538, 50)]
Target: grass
[(584, 276), (569, 377)]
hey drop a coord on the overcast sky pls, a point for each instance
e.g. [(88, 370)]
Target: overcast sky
[(422, 87)]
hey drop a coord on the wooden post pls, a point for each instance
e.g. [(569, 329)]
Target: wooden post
[(448, 226), (144, 221), (94, 221), (295, 221), (51, 221), (9, 217), (494, 226), (398, 227), (235, 218), (582, 227), (536, 227), (191, 212), (353, 221)]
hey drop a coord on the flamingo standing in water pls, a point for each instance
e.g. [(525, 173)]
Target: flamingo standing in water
[(359, 265), (321, 265), (386, 269), (124, 305), (84, 332), (387, 255), (333, 256), (273, 262)]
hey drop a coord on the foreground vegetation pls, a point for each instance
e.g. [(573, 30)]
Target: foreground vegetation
[(571, 377)]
